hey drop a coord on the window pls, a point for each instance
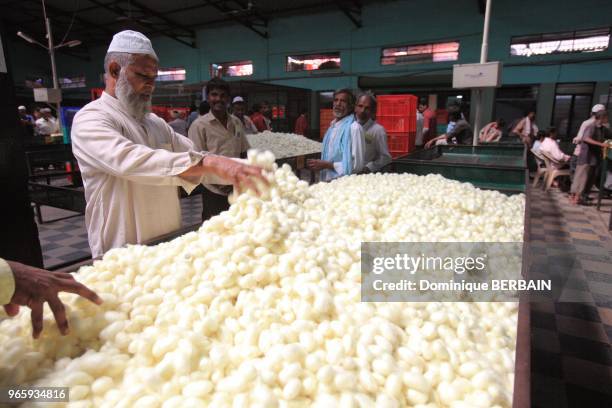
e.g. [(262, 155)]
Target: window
[(420, 54), (171, 74), (72, 82), (561, 43), (512, 102), (313, 62), (572, 107), (236, 68)]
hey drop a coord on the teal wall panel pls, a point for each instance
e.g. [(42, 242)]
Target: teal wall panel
[(384, 24)]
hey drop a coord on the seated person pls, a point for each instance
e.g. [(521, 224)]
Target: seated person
[(492, 132), (538, 142), (550, 148), (460, 134)]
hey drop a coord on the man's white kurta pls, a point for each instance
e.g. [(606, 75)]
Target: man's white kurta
[(129, 171), (357, 149)]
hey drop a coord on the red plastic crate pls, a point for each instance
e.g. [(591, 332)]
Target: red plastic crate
[(401, 143), (397, 113), (325, 118), (441, 116)]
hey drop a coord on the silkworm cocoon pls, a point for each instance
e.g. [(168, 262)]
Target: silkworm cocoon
[(292, 389), (345, 380), (101, 385), (79, 392), (416, 381), (469, 369), (415, 397), (393, 385)]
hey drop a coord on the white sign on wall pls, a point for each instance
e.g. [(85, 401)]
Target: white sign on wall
[(477, 75)]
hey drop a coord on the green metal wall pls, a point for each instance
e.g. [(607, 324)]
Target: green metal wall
[(387, 24)]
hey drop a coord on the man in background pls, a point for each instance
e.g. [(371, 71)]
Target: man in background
[(428, 129), (526, 129), (178, 124), (221, 133), (258, 118), (376, 151), (239, 110), (47, 124), (344, 142), (26, 120), (492, 132), (460, 134), (301, 123)]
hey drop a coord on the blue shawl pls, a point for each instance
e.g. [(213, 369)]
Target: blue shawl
[(341, 150)]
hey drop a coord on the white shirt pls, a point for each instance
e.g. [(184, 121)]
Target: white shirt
[(578, 139), (377, 153), (129, 171), (550, 148), (529, 128), (46, 126), (357, 150), (7, 283)]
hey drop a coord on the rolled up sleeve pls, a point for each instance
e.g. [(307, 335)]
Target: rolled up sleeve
[(7, 283)]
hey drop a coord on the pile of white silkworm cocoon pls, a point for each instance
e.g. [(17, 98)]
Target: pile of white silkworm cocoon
[(261, 308), (283, 145)]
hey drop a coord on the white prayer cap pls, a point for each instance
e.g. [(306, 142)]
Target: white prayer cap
[(45, 110), (598, 108), (21, 107), (131, 42), (237, 99)]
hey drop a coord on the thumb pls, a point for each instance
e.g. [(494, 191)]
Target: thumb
[(11, 309)]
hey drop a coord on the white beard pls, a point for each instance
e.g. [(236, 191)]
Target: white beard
[(132, 102)]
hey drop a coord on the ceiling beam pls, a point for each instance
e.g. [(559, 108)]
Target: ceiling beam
[(255, 23), (168, 33), (53, 12), (482, 5), (352, 10), (170, 22)]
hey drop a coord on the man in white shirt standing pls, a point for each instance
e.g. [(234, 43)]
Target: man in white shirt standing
[(131, 161), (526, 128), (47, 124), (344, 143), (376, 150)]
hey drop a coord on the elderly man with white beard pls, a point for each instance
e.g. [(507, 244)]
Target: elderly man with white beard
[(131, 161)]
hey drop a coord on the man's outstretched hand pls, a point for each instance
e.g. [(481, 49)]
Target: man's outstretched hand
[(34, 287), (232, 171)]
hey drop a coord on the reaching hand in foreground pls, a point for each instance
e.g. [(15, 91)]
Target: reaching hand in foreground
[(34, 287)]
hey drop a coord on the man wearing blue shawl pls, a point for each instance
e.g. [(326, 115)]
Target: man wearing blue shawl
[(344, 142)]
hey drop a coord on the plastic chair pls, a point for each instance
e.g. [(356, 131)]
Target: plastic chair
[(552, 171), (541, 171)]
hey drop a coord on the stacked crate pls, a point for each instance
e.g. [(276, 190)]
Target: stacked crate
[(325, 118), (397, 114)]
